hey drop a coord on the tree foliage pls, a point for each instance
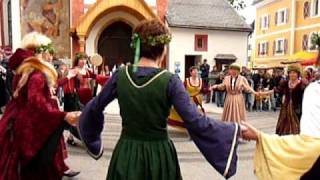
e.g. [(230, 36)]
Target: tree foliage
[(238, 4)]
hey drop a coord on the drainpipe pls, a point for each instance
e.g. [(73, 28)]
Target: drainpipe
[(293, 26)]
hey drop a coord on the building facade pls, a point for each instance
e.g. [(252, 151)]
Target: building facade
[(213, 31), (283, 28)]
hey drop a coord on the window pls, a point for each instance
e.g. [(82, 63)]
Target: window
[(315, 7), (264, 22), (201, 43), (311, 47), (263, 48), (281, 17), (280, 46), (306, 9)]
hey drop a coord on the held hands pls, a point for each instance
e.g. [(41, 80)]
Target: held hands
[(213, 87), (73, 117), (249, 132)]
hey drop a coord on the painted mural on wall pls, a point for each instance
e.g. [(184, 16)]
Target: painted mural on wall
[(50, 17)]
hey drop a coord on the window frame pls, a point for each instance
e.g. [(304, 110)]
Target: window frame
[(313, 9), (285, 14), (263, 51), (310, 42), (281, 53), (204, 39)]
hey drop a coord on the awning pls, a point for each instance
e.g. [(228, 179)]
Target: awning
[(226, 57), (302, 55)]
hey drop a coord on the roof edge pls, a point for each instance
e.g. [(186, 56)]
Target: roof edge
[(211, 28)]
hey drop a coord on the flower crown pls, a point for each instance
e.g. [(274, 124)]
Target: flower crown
[(151, 40), (81, 56), (45, 48)]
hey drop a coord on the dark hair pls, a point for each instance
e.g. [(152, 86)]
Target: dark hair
[(78, 56), (193, 68), (147, 29), (205, 60)]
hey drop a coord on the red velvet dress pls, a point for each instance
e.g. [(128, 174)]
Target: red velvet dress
[(84, 90), (27, 128)]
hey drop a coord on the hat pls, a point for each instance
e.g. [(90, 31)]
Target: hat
[(235, 66), (295, 68), (18, 57), (34, 40)]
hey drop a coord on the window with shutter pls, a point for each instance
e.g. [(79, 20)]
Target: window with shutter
[(279, 45), (315, 7), (282, 17), (287, 15), (306, 9), (276, 19), (259, 53), (267, 48), (201, 43), (265, 22)]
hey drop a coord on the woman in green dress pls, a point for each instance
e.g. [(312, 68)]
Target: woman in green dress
[(146, 93)]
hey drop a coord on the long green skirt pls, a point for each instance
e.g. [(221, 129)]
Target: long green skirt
[(144, 160)]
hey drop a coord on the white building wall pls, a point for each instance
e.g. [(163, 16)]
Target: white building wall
[(219, 42), (16, 25)]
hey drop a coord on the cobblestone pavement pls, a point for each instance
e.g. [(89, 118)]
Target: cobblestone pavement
[(193, 165)]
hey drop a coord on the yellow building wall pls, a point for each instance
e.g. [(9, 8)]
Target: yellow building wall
[(300, 20), (270, 39), (271, 10)]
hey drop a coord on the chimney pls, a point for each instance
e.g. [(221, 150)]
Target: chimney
[(162, 7)]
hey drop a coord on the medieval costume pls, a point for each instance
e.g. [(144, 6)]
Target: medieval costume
[(293, 156), (84, 88), (194, 92), (291, 109), (234, 105), (144, 151), (32, 125)]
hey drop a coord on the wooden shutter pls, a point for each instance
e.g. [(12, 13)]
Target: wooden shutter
[(287, 16), (306, 9), (268, 21), (274, 47), (259, 49), (285, 46), (305, 42), (260, 23), (267, 48), (276, 19)]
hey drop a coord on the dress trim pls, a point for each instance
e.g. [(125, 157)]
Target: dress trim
[(231, 151), (145, 84), (96, 157)]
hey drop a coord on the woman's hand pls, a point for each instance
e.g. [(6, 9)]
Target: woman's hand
[(249, 132), (213, 87), (73, 117)]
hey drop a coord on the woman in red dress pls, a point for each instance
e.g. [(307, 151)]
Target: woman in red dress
[(32, 125), (83, 78)]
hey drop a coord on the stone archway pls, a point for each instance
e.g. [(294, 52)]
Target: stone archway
[(103, 8), (114, 44)]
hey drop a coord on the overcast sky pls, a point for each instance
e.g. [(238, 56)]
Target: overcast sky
[(248, 13)]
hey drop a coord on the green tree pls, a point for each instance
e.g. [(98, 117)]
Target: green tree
[(315, 41), (238, 4)]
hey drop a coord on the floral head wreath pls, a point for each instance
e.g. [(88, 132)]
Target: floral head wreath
[(81, 56), (45, 49), (153, 41)]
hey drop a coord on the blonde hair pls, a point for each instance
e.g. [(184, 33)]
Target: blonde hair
[(34, 40)]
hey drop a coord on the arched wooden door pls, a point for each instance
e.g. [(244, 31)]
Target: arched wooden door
[(114, 44)]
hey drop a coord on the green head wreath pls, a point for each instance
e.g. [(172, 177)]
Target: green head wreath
[(152, 41), (45, 49)]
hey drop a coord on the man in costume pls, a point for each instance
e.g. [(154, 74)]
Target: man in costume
[(32, 125), (291, 156)]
